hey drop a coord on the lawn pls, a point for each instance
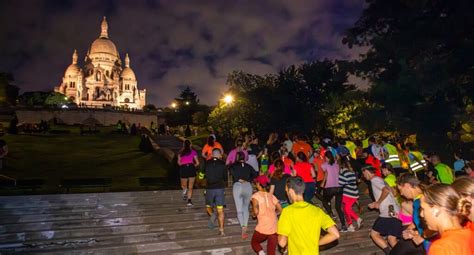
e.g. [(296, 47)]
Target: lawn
[(102, 155)]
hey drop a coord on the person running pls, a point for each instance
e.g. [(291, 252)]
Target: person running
[(300, 223), (275, 157), (306, 171), (278, 183), (332, 188), (410, 188), (444, 174), (188, 163), (301, 146), (318, 161), (458, 164), (385, 225), (265, 207), (444, 209), (210, 146), (216, 178), (254, 152), (239, 147), (350, 194), (242, 176)]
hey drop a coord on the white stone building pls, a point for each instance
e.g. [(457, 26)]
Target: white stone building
[(102, 81)]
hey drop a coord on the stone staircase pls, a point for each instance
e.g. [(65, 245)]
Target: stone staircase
[(150, 222)]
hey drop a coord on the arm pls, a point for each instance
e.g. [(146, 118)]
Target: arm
[(254, 207), (272, 189), (331, 236), (313, 174), (323, 183), (385, 192), (196, 161), (278, 208), (179, 160), (282, 240)]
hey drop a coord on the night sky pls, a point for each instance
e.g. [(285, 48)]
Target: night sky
[(173, 43)]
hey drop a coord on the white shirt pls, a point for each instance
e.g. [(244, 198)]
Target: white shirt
[(377, 186)]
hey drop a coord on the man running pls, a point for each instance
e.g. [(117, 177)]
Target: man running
[(300, 223), (216, 178)]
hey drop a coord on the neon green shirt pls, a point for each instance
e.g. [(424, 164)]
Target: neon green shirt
[(445, 174), (391, 180), (302, 222)]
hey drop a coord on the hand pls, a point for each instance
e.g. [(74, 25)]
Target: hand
[(409, 234), (374, 205)]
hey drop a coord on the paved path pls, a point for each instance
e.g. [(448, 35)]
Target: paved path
[(151, 222)]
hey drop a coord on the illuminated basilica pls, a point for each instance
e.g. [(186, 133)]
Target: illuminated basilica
[(102, 81)]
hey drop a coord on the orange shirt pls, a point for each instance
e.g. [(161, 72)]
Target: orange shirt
[(287, 161), (207, 150), (267, 218), (317, 161), (453, 242), (301, 146)]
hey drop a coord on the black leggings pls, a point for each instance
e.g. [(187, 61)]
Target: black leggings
[(328, 194)]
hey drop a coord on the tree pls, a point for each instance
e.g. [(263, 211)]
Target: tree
[(149, 108), (419, 61), (8, 92), (34, 98), (57, 99)]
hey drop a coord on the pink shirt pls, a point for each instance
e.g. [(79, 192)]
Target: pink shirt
[(188, 159), (286, 170), (267, 218), (332, 172), (232, 157)]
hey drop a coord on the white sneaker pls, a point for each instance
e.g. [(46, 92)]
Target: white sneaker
[(359, 222), (261, 252), (351, 228), (185, 194)]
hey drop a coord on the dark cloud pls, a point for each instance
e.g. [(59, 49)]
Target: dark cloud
[(173, 44)]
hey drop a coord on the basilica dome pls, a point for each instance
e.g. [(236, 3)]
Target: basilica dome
[(73, 69), (128, 73), (103, 45)]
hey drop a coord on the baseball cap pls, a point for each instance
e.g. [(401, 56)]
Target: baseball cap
[(262, 179)]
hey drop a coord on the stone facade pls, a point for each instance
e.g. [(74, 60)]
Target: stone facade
[(102, 81)]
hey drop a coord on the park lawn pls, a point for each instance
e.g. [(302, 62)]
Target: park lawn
[(103, 155)]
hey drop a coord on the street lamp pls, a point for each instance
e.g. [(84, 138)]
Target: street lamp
[(228, 99), (187, 103), (173, 105)]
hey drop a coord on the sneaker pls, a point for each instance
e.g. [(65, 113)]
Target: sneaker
[(185, 194), (190, 203), (211, 224), (359, 222), (221, 232), (343, 229), (351, 228)]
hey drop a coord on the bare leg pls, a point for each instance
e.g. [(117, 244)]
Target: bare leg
[(378, 239), (184, 183), (220, 213), (392, 240), (190, 187)]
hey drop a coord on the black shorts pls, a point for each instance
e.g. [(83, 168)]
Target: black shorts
[(187, 171), (215, 197), (388, 227)]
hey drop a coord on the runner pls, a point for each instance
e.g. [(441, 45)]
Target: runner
[(210, 146), (443, 210), (385, 225), (242, 176), (239, 147), (300, 223), (265, 207), (254, 152), (278, 183), (188, 163), (464, 186), (332, 188), (306, 171), (216, 178), (348, 182)]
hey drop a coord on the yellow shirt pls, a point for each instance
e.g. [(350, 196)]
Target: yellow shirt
[(302, 222)]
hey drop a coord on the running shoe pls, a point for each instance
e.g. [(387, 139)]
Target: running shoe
[(211, 224), (190, 203), (343, 229), (185, 194), (359, 222), (221, 233), (351, 228)]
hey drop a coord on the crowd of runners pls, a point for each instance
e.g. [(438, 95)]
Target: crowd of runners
[(424, 206)]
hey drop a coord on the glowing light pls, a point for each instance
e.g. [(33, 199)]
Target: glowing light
[(187, 102), (173, 105), (228, 99)]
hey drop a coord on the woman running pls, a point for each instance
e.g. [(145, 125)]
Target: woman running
[(188, 163), (306, 171), (332, 188), (265, 207), (242, 176), (278, 183)]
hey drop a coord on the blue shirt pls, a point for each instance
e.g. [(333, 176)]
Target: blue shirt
[(417, 220), (458, 165)]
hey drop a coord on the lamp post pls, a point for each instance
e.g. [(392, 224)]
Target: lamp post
[(228, 99)]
